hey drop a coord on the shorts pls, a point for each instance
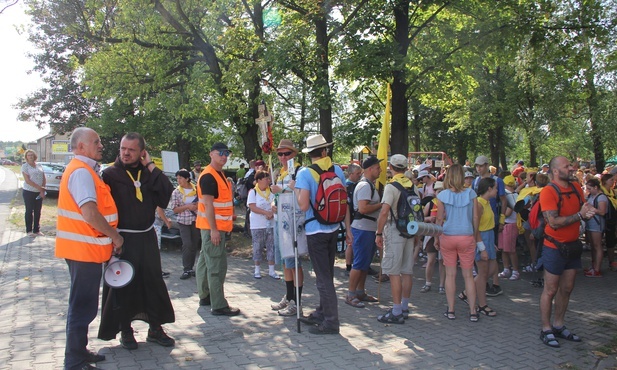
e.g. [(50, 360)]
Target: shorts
[(455, 248), (553, 262), (507, 238), (289, 263), (429, 245), (364, 248), (488, 237), (397, 252)]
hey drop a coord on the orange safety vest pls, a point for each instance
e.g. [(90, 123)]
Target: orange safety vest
[(75, 238), (223, 205)]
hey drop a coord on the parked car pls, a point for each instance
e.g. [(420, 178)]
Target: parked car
[(53, 175)]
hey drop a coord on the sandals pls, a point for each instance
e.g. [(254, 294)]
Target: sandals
[(486, 311), (474, 317), (425, 289), (442, 290), (566, 334), (463, 297), (354, 302), (449, 315), (548, 338), (390, 318), (367, 298)]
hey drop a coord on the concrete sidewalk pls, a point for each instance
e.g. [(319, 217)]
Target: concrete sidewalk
[(34, 293)]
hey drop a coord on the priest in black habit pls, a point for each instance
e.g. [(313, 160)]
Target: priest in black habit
[(137, 187)]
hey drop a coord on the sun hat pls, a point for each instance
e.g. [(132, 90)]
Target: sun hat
[(315, 142), (287, 144)]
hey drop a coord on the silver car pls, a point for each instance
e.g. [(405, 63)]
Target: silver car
[(53, 175)]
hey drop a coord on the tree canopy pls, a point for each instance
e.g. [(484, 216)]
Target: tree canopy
[(513, 79)]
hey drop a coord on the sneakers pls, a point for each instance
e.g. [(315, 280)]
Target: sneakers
[(530, 268), (185, 275), (505, 274), (515, 276), (282, 304), (159, 336), (290, 310), (257, 275), (406, 314), (390, 318), (591, 273), (127, 339), (494, 291)]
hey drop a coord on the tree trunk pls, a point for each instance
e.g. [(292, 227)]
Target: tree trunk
[(399, 134), (592, 106), (322, 84)]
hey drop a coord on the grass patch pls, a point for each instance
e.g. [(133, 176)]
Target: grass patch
[(48, 214)]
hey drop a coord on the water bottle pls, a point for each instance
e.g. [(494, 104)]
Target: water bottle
[(39, 196)]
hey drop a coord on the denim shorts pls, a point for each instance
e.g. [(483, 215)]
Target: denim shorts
[(555, 263), (488, 237)]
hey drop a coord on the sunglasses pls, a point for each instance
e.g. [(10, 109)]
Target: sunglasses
[(286, 154), (224, 153)]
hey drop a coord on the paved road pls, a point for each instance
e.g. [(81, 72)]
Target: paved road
[(33, 300)]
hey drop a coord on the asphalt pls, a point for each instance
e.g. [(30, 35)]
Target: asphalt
[(34, 289)]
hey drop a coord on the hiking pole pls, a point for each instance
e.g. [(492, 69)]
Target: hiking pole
[(379, 276), (296, 281)]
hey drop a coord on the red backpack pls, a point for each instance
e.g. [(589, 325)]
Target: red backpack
[(330, 205), (536, 218)]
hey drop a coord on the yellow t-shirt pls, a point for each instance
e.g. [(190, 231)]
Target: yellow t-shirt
[(487, 221)]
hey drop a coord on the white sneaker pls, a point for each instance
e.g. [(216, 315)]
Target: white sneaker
[(282, 304), (290, 310)]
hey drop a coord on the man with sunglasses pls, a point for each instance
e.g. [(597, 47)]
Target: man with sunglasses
[(215, 217)]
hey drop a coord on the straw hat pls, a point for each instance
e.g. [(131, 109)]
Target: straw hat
[(315, 142), (287, 144)]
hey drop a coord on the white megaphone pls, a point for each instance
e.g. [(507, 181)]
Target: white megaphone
[(118, 273)]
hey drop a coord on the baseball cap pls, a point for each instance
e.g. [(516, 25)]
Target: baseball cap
[(468, 174), (370, 161), (545, 165), (423, 173), (260, 163), (481, 160), (399, 161), (521, 162), (509, 180)]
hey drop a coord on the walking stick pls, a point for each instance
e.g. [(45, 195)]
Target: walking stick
[(379, 277), (295, 228)]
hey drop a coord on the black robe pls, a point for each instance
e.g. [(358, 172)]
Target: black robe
[(145, 297)]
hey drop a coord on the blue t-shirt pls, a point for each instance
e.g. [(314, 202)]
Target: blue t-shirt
[(305, 180), (459, 211)]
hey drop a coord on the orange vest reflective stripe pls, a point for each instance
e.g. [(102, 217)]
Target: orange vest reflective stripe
[(75, 238), (223, 205)]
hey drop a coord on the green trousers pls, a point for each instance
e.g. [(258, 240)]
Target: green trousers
[(211, 270)]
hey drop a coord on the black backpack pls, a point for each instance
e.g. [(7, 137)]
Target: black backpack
[(351, 188), (408, 209)]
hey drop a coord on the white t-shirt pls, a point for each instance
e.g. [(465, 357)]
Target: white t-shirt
[(363, 192), (259, 221)]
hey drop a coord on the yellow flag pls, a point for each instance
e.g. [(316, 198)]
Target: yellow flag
[(384, 140)]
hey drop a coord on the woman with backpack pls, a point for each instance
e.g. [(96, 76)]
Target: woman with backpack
[(610, 233), (594, 227), (457, 213)]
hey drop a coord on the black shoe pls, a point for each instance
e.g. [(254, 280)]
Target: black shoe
[(227, 311), (165, 274), (494, 291), (311, 320), (127, 339), (185, 275), (192, 272), (322, 330), (94, 357), (205, 301), (159, 336), (372, 272), (87, 367)]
